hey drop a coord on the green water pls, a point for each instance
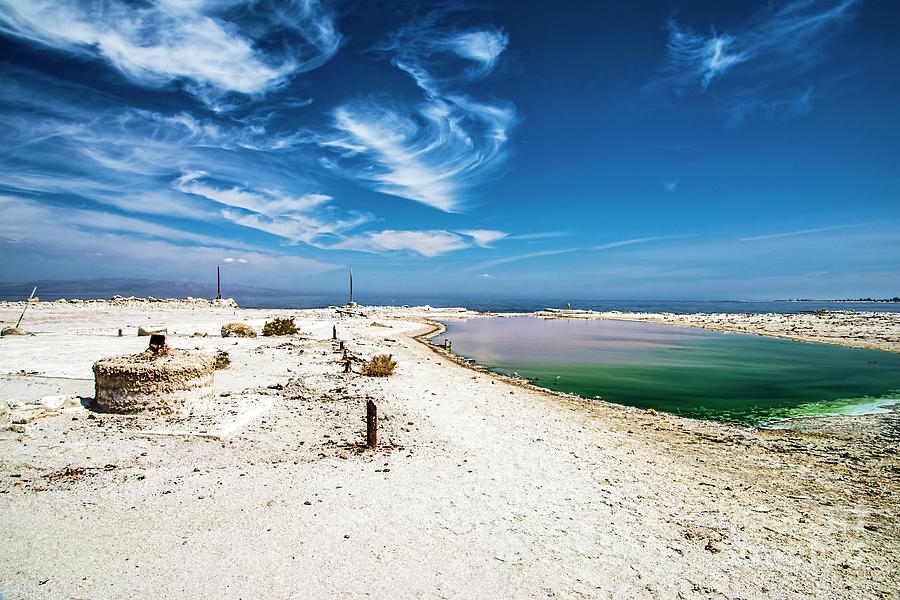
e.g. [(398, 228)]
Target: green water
[(692, 372)]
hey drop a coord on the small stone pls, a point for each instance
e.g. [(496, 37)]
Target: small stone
[(238, 330), (148, 331)]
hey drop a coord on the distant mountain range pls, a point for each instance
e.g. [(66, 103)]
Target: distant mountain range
[(86, 289)]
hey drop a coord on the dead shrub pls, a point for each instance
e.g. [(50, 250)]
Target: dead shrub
[(222, 360)]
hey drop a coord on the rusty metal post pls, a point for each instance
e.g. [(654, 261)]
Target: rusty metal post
[(32, 296), (157, 344), (371, 425)]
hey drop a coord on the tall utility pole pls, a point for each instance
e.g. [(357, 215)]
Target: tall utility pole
[(218, 284)]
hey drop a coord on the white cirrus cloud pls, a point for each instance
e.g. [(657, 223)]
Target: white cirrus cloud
[(437, 150), (295, 218), (770, 236), (428, 243), (507, 259), (700, 57), (81, 243), (431, 156), (483, 47), (791, 35), (267, 202), (763, 66), (159, 42), (484, 237)]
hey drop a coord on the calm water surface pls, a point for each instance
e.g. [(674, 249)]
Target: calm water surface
[(688, 371)]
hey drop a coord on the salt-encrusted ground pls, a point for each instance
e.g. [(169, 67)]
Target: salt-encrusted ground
[(481, 488)]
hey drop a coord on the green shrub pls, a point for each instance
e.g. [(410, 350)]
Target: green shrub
[(278, 326), (222, 360), (380, 366)]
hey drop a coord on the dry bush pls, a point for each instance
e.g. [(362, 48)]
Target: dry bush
[(380, 366), (238, 330), (280, 326)]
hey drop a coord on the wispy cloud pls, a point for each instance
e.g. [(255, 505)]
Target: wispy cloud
[(507, 259), (538, 235), (635, 241), (793, 233), (297, 219), (699, 57), (82, 242), (431, 156), (484, 237), (448, 143), (142, 165), (483, 47), (427, 243), (201, 43), (671, 185), (764, 60), (745, 105)]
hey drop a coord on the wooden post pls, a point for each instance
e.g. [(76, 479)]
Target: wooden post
[(351, 285), (347, 367), (218, 284), (341, 347), (334, 332), (120, 333), (371, 425)]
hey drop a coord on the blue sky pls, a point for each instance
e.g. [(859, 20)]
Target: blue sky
[(680, 150)]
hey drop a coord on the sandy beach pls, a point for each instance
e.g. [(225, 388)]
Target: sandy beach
[(481, 487)]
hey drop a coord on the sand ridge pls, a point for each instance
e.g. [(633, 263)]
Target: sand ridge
[(479, 488)]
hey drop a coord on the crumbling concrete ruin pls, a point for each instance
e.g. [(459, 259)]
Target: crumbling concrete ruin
[(159, 380)]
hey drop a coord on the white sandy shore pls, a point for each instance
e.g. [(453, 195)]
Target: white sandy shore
[(480, 489)]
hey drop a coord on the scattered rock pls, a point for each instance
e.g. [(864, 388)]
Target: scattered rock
[(143, 331), (60, 402), (238, 330), (5, 415), (12, 331)]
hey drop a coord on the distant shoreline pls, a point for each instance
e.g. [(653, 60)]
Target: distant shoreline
[(846, 300)]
